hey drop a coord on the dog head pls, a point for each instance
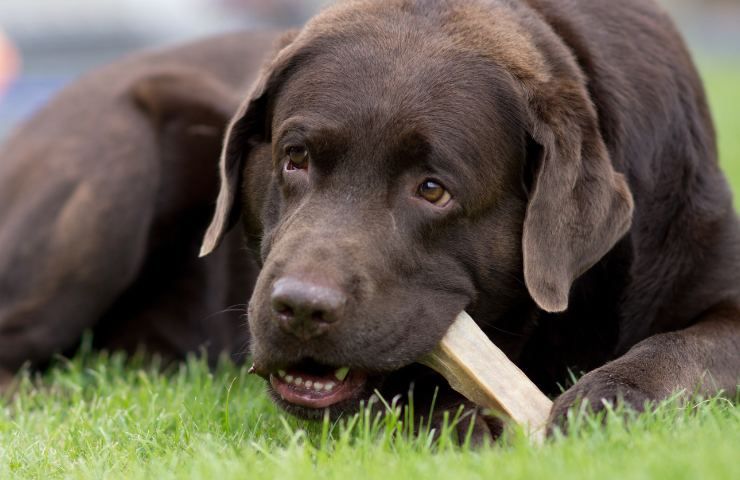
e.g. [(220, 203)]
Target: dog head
[(398, 162)]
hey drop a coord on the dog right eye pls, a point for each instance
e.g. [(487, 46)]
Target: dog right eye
[(297, 158), (434, 193)]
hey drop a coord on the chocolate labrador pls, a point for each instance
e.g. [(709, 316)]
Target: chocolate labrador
[(548, 166)]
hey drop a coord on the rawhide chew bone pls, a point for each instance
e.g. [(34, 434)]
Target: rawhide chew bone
[(476, 368)]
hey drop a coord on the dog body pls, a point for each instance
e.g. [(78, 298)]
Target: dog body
[(105, 194), (548, 166)]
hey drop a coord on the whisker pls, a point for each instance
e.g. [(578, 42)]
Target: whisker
[(240, 307)]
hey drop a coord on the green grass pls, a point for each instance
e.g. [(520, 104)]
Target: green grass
[(722, 79), (101, 417)]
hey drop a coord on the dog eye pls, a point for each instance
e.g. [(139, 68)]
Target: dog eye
[(297, 158), (435, 193)]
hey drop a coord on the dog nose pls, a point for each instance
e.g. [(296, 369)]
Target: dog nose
[(304, 309)]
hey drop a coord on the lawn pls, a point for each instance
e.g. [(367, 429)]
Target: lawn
[(99, 416), (722, 79)]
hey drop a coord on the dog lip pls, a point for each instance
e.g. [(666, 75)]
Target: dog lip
[(316, 398)]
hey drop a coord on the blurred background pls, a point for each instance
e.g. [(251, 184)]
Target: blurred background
[(45, 44)]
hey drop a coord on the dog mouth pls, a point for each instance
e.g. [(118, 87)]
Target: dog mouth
[(315, 386)]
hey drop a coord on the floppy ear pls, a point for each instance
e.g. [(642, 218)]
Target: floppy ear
[(184, 94), (246, 130), (188, 110), (580, 207)]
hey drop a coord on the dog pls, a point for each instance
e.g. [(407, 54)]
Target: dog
[(548, 166)]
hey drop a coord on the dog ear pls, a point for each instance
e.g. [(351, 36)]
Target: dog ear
[(185, 95), (188, 110), (246, 130), (579, 206)]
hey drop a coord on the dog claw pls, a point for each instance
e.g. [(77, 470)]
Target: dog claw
[(252, 370)]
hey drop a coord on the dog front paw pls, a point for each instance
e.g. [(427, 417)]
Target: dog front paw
[(598, 389)]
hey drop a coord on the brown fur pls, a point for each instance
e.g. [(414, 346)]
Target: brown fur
[(590, 230)]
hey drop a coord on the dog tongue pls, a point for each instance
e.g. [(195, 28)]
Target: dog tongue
[(314, 390)]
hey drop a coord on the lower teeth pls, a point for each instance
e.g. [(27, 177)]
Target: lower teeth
[(309, 384), (340, 374)]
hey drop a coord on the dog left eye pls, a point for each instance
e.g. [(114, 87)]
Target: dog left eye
[(433, 192), (297, 158)]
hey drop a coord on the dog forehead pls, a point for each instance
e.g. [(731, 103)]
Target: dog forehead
[(499, 30), (387, 71), (375, 88)]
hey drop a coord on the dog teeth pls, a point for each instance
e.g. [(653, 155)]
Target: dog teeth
[(341, 373), (281, 373), (309, 384)]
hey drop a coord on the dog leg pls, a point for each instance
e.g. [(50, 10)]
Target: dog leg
[(85, 198), (703, 359), (66, 250)]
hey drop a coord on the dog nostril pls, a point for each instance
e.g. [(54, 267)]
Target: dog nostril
[(283, 309), (305, 309)]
